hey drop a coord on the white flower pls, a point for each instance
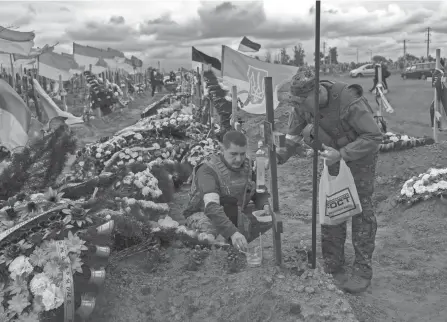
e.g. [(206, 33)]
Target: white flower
[(131, 161), (138, 136), (20, 265), (98, 155), (120, 163), (108, 152), (129, 201), (122, 155), (81, 164), (139, 159), (138, 184), (146, 191), (181, 230), (99, 150), (52, 297), (127, 180), (39, 283)]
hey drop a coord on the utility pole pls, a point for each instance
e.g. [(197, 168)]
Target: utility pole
[(428, 41), (324, 52), (371, 53), (330, 56), (405, 53)]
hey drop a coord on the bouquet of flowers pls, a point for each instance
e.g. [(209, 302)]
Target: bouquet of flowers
[(41, 255), (425, 186), (395, 142)]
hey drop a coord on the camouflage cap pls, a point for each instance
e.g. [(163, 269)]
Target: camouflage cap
[(302, 83)]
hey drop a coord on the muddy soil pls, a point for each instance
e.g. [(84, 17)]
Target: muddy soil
[(409, 262)]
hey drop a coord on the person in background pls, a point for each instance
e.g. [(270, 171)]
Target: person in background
[(385, 75), (159, 81), (153, 82), (347, 131)]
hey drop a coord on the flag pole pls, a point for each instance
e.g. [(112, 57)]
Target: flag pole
[(316, 127), (12, 71)]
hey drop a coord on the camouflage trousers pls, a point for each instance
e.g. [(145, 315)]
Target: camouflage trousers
[(364, 225)]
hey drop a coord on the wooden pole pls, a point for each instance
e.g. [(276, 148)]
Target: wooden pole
[(316, 138), (12, 71), (199, 93), (62, 94), (39, 111), (379, 82), (233, 120), (436, 101), (270, 126)]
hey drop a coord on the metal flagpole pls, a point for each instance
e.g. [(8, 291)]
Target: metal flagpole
[(316, 127)]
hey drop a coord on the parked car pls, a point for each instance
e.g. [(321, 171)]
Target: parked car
[(419, 71), (365, 70)]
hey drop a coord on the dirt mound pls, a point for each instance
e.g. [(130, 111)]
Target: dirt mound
[(410, 257), (173, 293), (410, 260)]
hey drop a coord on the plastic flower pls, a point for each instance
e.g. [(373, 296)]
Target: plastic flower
[(52, 298), (50, 248), (28, 317), (76, 263), (74, 243), (146, 191), (3, 314), (53, 195), (19, 266), (38, 257), (39, 283), (37, 304), (18, 285), (52, 269), (18, 302)]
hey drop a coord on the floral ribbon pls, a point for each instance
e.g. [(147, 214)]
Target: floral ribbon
[(67, 282), (9, 231)]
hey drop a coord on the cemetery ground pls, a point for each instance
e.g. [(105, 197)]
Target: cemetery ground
[(410, 260)]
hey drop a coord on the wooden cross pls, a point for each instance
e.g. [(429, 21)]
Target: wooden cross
[(272, 139)]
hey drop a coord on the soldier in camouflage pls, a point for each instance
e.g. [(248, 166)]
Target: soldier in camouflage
[(347, 131), (223, 185)]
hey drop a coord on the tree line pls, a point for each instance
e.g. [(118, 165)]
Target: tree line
[(298, 54)]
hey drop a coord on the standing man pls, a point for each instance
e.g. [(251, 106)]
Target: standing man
[(153, 82), (347, 131)]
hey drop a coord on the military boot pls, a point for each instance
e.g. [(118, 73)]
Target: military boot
[(356, 284), (340, 277)]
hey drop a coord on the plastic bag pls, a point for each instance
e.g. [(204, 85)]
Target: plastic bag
[(338, 197)]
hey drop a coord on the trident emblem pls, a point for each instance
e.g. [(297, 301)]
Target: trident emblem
[(256, 92)]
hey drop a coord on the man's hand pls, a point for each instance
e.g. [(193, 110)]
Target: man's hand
[(238, 240), (330, 154)]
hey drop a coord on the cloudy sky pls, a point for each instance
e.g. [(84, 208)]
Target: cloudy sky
[(165, 30)]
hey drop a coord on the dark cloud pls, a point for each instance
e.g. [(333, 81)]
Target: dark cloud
[(227, 20), (117, 20), (64, 9), (114, 30)]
